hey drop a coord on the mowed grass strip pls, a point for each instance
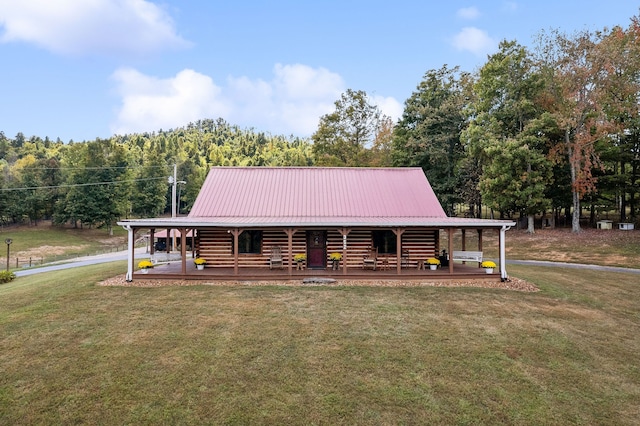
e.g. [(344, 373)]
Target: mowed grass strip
[(51, 243), (75, 352), (591, 246)]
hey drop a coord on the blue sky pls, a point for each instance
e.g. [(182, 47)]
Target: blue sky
[(81, 69)]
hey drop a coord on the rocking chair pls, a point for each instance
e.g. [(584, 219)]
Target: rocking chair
[(370, 260), (275, 260)]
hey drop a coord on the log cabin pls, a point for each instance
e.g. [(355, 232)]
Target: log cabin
[(244, 216)]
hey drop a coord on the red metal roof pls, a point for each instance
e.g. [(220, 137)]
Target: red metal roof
[(162, 233), (316, 194)]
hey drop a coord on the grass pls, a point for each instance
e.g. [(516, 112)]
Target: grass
[(591, 246), (74, 352), (54, 243)]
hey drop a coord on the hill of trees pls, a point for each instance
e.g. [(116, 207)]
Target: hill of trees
[(552, 131), (95, 183)]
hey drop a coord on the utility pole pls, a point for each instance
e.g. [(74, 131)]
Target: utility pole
[(173, 180)]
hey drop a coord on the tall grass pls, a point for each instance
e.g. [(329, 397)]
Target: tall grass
[(74, 352)]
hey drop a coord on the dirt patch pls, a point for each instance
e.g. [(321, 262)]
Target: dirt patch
[(513, 283), (48, 251), (591, 246)]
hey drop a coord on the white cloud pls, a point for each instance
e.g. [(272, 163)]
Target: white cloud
[(89, 26), (389, 106), (150, 104), (475, 41), (469, 13), (291, 103)]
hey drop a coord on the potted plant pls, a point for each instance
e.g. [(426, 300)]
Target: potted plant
[(335, 259), (488, 266), (433, 263), (200, 262), (145, 265), (300, 259)]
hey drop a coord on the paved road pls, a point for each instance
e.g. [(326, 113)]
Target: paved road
[(81, 261), (573, 265), (140, 253)]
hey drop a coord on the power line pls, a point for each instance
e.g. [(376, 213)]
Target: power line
[(94, 168), (71, 185)]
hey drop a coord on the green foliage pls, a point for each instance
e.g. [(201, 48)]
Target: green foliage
[(524, 134), (6, 276), (428, 135), (504, 133), (97, 182), (344, 136), (515, 179), (150, 196), (592, 93)]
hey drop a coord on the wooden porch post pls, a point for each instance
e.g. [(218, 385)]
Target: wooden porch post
[(290, 233), (152, 239), (464, 242), (130, 251), (464, 239), (503, 255), (450, 233), (183, 249), (235, 232), (344, 232), (399, 232)]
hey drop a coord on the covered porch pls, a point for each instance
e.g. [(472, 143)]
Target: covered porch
[(410, 247), (172, 270)]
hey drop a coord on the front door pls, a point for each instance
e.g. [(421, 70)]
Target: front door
[(316, 249)]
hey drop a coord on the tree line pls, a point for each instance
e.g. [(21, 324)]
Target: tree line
[(96, 183), (551, 130)]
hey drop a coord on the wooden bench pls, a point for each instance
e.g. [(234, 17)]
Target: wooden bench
[(467, 256)]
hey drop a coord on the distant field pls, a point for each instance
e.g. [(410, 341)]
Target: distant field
[(598, 247), (54, 243), (591, 246), (77, 353)]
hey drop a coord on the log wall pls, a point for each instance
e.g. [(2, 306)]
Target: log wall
[(215, 245)]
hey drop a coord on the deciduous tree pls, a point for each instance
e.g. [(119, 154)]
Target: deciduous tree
[(428, 134), (587, 95), (504, 133), (344, 136)]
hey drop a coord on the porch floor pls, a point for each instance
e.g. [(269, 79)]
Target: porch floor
[(173, 270)]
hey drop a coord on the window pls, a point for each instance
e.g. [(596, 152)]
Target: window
[(385, 241), (250, 242)]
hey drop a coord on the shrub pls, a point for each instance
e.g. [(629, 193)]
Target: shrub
[(6, 276)]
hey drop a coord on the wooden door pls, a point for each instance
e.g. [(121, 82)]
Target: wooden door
[(316, 249)]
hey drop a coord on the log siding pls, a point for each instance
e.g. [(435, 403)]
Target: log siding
[(216, 246)]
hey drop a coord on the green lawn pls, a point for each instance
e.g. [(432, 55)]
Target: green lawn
[(51, 243), (77, 353), (591, 246)]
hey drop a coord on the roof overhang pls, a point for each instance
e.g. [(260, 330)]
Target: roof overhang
[(315, 222)]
